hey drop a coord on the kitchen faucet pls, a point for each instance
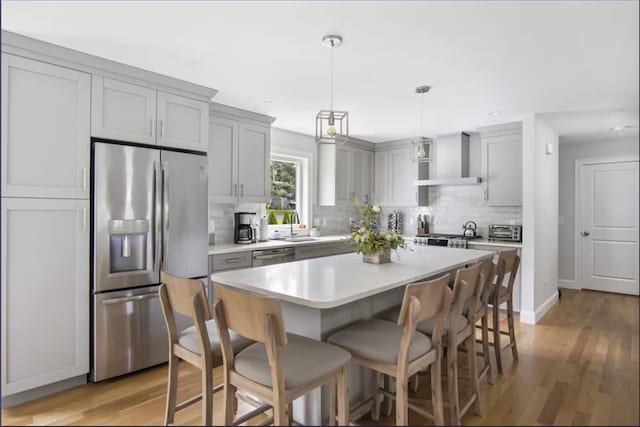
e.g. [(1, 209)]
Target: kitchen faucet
[(293, 217)]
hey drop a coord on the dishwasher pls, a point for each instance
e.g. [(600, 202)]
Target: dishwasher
[(273, 256)]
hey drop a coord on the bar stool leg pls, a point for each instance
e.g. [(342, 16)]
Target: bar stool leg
[(402, 407), (375, 395), (332, 403), (496, 337), (473, 372), (207, 396), (485, 347), (229, 403), (343, 397), (452, 376), (436, 391), (172, 391), (512, 330), (389, 386)]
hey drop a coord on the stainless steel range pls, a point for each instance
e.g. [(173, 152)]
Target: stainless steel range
[(438, 239)]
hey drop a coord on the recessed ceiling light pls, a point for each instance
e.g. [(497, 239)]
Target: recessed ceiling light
[(194, 63), (494, 113), (621, 128), (378, 133), (268, 101)]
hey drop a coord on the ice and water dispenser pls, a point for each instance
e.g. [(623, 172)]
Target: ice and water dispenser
[(128, 244)]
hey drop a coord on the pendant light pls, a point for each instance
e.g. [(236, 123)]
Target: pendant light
[(422, 146), (332, 127)]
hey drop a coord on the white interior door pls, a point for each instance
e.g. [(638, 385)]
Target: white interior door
[(609, 226)]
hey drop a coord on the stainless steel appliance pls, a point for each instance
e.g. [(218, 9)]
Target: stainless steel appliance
[(149, 214), (437, 239), (469, 229), (273, 256), (244, 227), (511, 233)]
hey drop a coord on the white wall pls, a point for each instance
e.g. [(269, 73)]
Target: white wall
[(569, 153), (539, 219)]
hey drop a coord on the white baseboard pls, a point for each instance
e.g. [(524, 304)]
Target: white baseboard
[(533, 317), (568, 284), (545, 306), (528, 317), (36, 393)]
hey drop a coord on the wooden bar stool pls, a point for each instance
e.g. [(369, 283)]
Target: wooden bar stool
[(279, 367), (399, 351), (508, 263), (198, 345), (467, 291), (487, 268)]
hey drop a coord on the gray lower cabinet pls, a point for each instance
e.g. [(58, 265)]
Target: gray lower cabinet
[(322, 249)]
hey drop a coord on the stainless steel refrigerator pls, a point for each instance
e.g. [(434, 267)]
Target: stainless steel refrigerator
[(149, 213)]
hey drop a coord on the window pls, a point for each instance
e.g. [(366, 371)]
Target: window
[(286, 181)]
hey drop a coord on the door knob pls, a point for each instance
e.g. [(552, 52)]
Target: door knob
[(585, 233)]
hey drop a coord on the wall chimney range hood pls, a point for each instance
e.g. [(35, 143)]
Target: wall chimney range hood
[(451, 162)]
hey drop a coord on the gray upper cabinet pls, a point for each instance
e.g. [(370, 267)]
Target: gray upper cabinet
[(395, 177), (223, 160), (502, 164), (45, 129), (345, 172), (239, 155), (134, 113)]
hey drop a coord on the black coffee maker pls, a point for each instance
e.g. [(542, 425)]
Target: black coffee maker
[(243, 227)]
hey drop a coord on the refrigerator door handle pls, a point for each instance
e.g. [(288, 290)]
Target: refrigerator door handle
[(155, 219), (129, 299), (165, 213)]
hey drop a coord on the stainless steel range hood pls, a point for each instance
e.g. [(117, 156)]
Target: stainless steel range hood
[(451, 162)]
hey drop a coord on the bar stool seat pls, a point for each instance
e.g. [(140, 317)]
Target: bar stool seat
[(379, 340), (188, 339), (303, 360), (426, 327)]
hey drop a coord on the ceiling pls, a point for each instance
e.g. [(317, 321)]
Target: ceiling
[(575, 61)]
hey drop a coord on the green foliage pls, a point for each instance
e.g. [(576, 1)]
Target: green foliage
[(367, 237), (271, 219), (283, 179), (286, 218)]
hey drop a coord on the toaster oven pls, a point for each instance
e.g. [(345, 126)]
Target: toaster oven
[(511, 233)]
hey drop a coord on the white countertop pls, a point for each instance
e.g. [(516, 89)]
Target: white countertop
[(227, 248), (486, 242), (336, 280)]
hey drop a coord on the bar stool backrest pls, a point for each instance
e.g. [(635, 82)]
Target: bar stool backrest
[(467, 286), (488, 271), (508, 263), (422, 301)]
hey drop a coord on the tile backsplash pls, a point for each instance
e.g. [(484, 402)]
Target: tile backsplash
[(221, 218), (334, 219), (450, 207)]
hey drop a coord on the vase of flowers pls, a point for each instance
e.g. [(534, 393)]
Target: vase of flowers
[(374, 244)]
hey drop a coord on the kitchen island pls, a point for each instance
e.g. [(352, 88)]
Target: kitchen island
[(319, 296)]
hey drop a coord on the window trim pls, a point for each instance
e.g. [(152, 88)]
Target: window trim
[(303, 195)]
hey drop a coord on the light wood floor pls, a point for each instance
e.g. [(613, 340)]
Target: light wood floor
[(578, 366)]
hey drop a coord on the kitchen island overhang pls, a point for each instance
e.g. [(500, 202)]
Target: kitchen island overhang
[(329, 282), (322, 295)]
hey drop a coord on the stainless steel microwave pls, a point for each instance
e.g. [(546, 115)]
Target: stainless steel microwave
[(511, 233)]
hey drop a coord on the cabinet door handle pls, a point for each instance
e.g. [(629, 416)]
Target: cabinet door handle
[(151, 126), (485, 195), (241, 190), (235, 190), (161, 124), (84, 179), (84, 218)]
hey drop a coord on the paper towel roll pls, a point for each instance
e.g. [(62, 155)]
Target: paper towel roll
[(264, 230)]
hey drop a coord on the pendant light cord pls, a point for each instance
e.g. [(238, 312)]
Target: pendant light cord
[(421, 112), (331, 75)]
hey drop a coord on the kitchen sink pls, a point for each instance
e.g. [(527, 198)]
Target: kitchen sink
[(300, 239)]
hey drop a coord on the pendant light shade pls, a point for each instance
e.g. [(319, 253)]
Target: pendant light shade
[(332, 127), (422, 147)]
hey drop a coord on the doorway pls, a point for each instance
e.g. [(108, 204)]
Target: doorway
[(606, 213)]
